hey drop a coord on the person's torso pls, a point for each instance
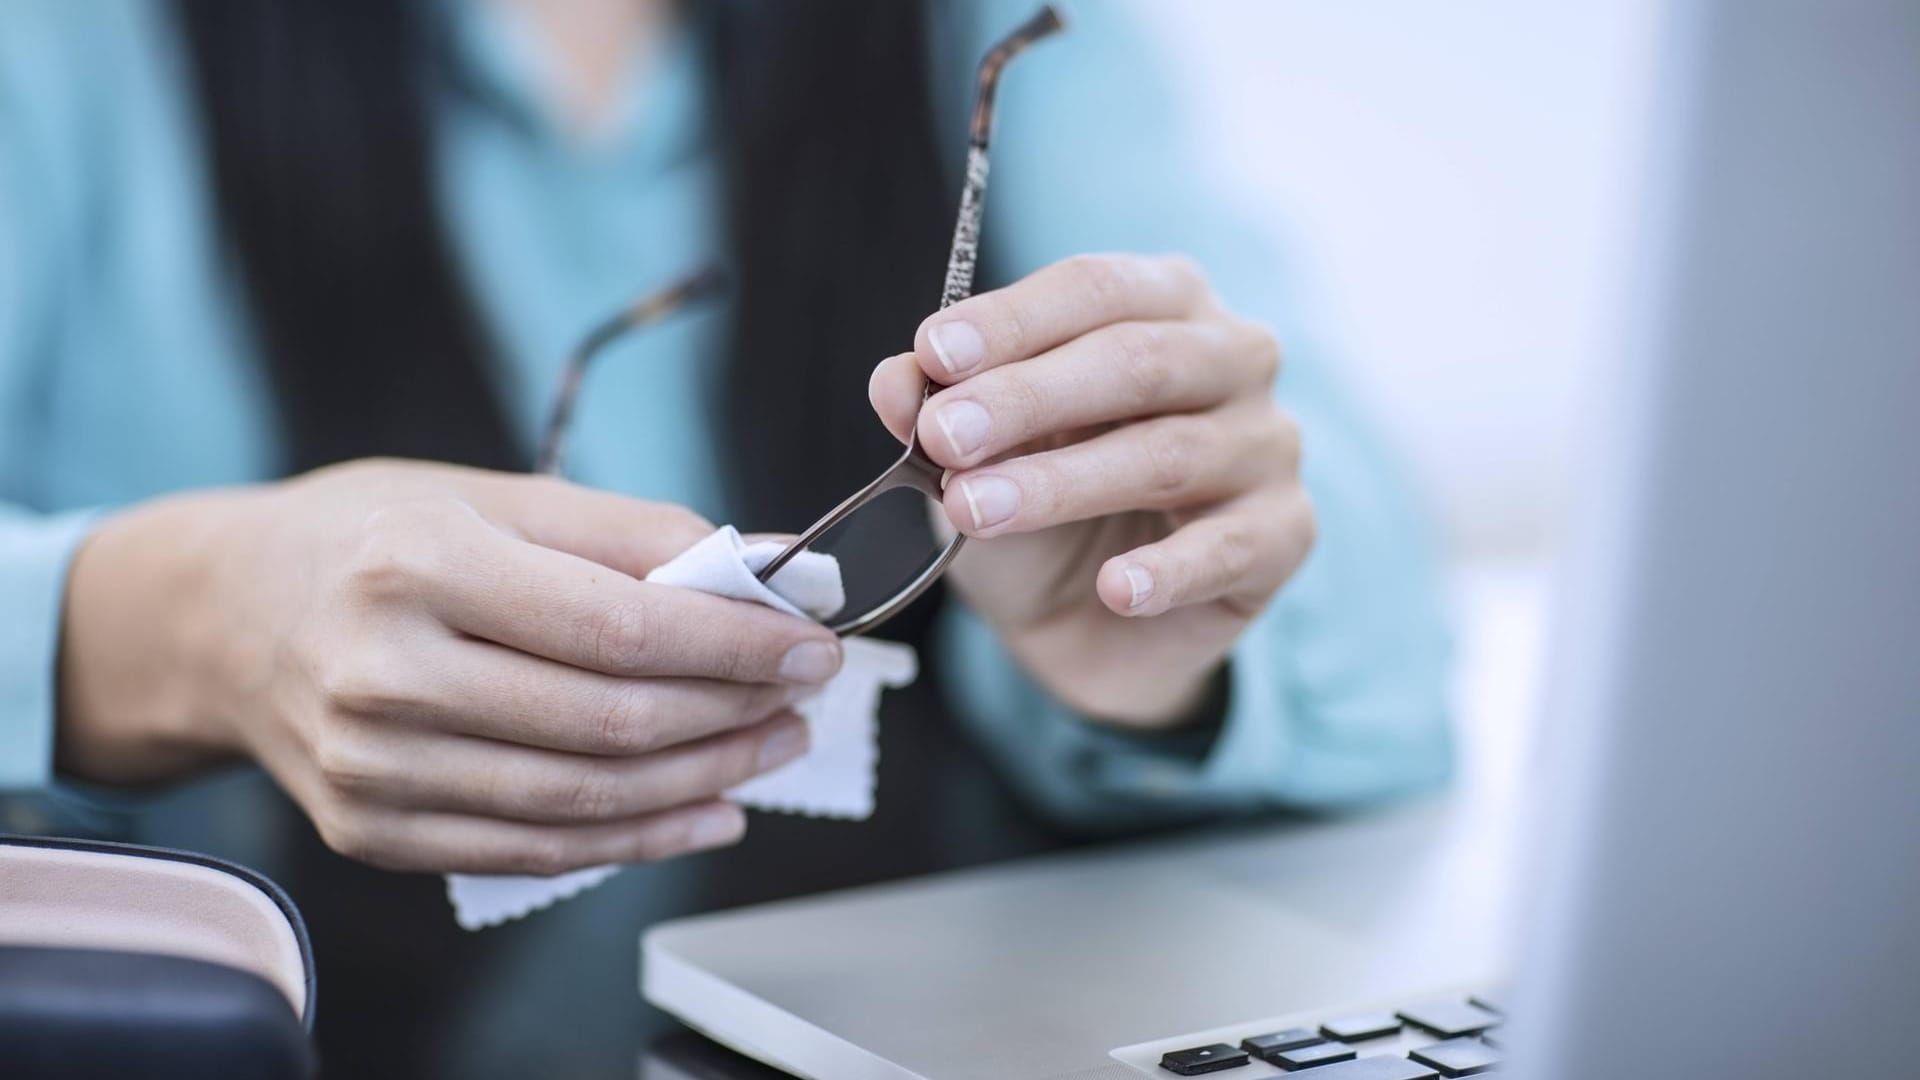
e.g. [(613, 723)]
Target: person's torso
[(152, 382)]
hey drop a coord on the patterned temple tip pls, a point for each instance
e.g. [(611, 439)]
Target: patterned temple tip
[(964, 256), (646, 311), (1048, 20)]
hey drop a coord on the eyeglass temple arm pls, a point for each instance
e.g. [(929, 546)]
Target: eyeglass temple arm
[(914, 468), (643, 312), (963, 258)]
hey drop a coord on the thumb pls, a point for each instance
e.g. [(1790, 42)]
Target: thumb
[(895, 389)]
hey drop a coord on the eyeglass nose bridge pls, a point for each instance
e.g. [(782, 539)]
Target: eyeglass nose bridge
[(914, 469)]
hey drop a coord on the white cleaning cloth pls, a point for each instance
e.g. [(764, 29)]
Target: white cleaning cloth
[(836, 776)]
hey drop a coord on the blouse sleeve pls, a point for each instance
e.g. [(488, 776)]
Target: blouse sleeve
[(1336, 695), (38, 237)]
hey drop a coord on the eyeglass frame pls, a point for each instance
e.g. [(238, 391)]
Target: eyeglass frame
[(913, 469)]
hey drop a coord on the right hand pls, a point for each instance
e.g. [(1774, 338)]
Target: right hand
[(449, 669)]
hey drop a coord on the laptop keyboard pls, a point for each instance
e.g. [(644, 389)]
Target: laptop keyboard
[(1434, 1039)]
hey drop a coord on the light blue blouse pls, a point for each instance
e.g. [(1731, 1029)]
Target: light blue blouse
[(126, 369)]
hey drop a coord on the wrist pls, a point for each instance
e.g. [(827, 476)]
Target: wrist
[(142, 637), (1207, 708), (1177, 705)]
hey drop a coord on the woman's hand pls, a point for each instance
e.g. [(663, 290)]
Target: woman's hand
[(447, 669), (1115, 450)]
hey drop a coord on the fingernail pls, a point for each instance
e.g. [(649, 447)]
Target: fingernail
[(959, 347), (1141, 583), (810, 662), (990, 499), (781, 747), (965, 425), (714, 828)]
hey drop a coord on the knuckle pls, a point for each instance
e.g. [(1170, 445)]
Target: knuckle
[(1140, 357), (619, 637), (733, 657), (355, 681), (588, 795), (399, 547), (764, 703), (1019, 407), (386, 568), (1235, 551), (707, 772), (546, 855), (1102, 278), (1172, 451), (1309, 526), (1002, 318), (1190, 280), (735, 764), (663, 839), (1285, 434), (345, 687), (1184, 269), (1187, 280), (622, 723), (1265, 351), (348, 834), (343, 761)]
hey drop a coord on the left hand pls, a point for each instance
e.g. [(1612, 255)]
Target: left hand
[(1115, 450)]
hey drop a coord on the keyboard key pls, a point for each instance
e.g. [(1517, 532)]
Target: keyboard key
[(1450, 1019), (1458, 1057), (1380, 1067), (1491, 1000), (1307, 1057), (1203, 1059), (1291, 1039), (1362, 1027)]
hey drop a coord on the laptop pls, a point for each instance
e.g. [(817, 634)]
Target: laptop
[(1717, 872)]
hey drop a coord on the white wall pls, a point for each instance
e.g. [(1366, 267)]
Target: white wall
[(1456, 177)]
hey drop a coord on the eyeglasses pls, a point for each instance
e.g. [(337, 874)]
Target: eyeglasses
[(914, 471)]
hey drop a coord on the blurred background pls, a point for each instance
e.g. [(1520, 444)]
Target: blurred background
[(1453, 186), (1456, 188)]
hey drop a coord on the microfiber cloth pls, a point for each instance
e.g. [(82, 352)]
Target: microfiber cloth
[(834, 779)]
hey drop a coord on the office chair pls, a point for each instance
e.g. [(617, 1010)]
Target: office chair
[(117, 960)]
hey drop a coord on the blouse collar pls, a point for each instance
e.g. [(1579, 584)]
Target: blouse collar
[(497, 67)]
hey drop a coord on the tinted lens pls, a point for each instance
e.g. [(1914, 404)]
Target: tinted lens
[(882, 548)]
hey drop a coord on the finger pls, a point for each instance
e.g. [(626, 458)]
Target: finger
[(630, 535), (1166, 463), (1239, 556), (469, 844), (1053, 306), (489, 691), (409, 770), (1117, 372), (566, 608), (769, 538), (896, 388)]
